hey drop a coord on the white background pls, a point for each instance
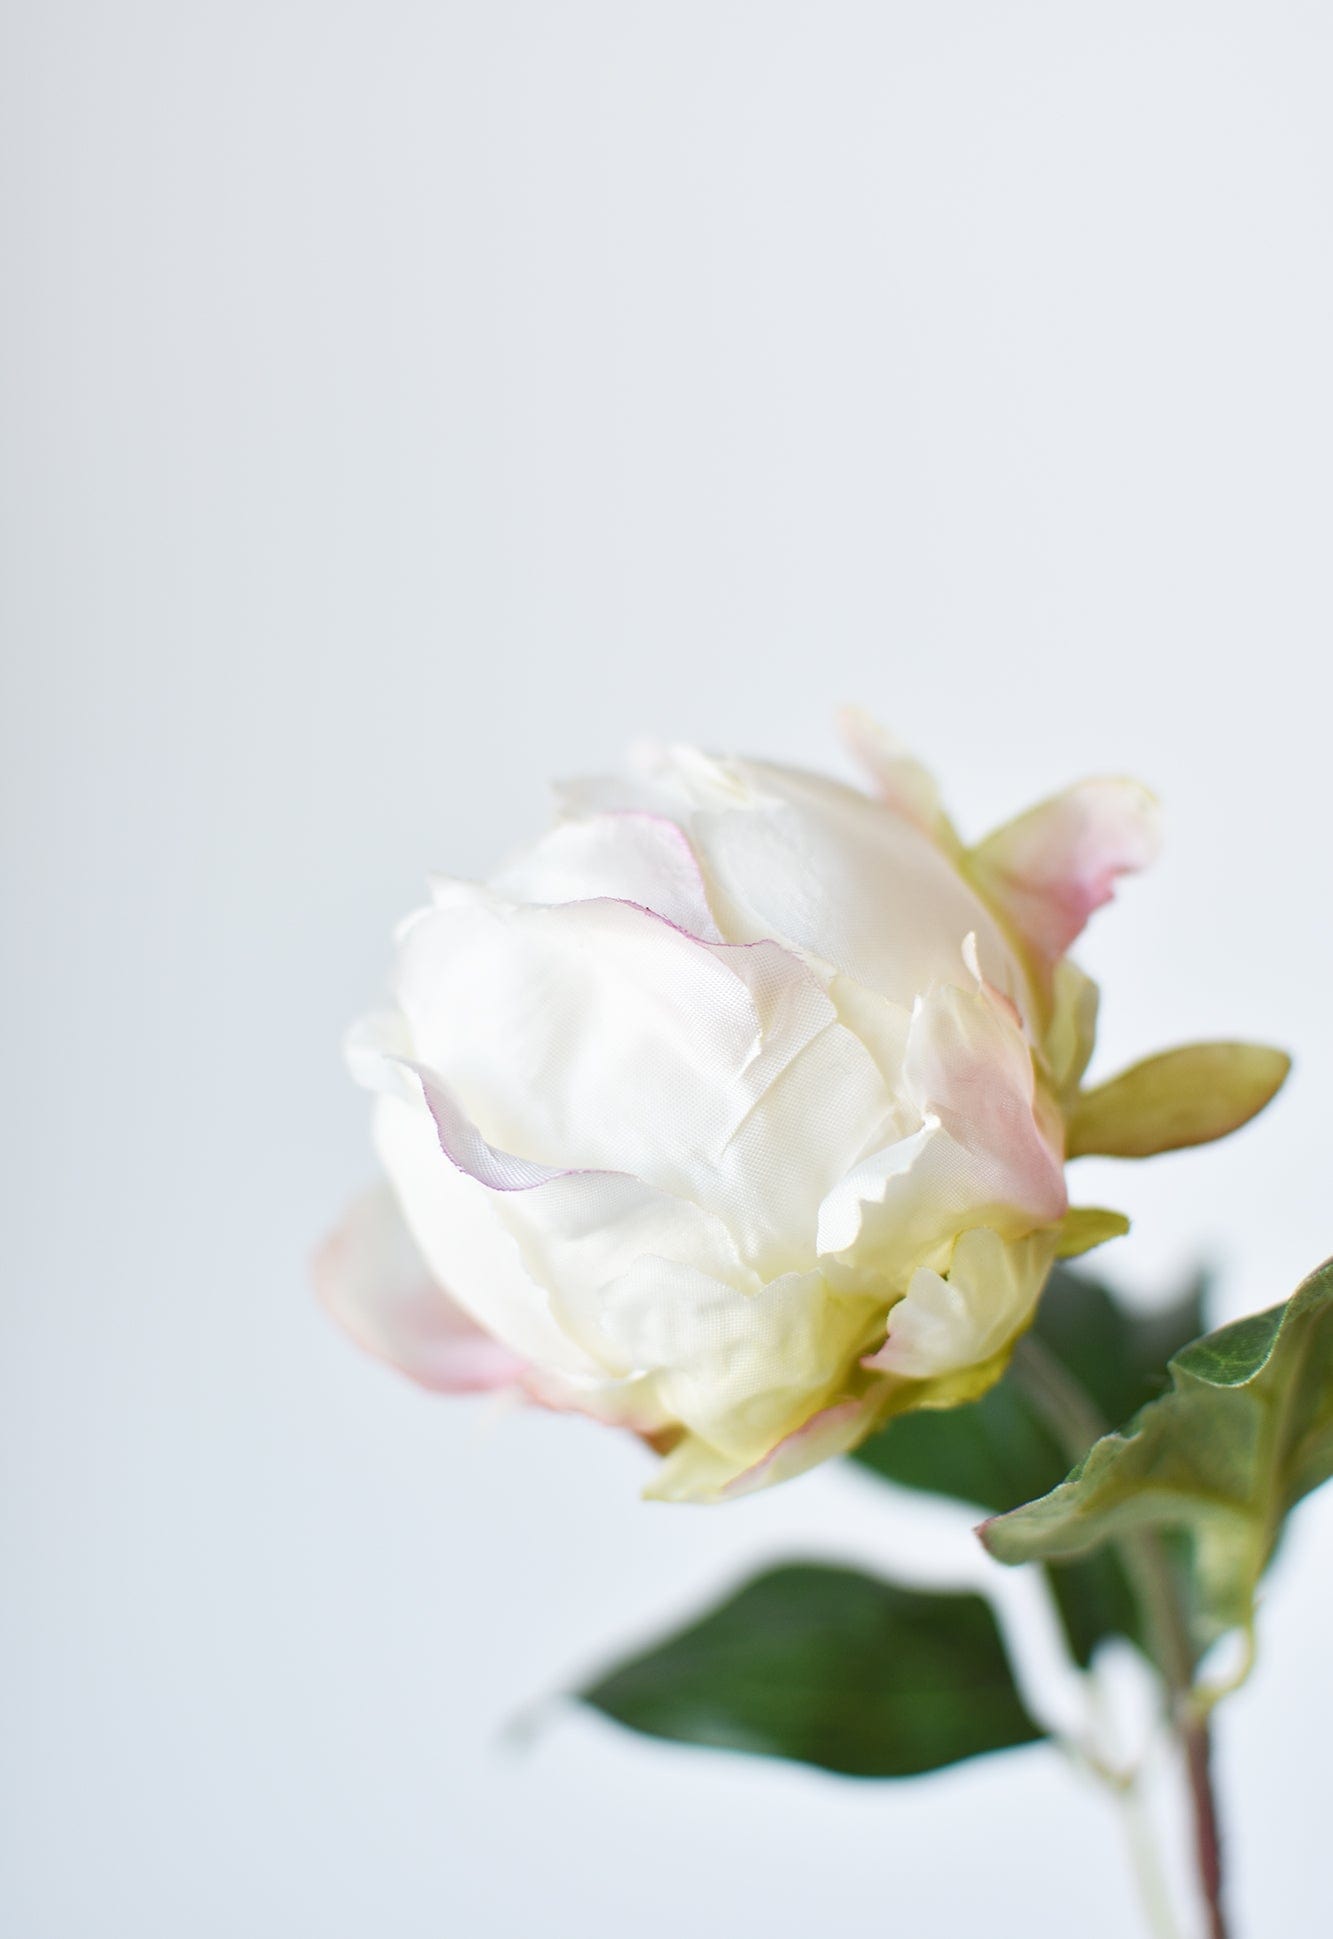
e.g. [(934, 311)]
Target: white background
[(405, 403)]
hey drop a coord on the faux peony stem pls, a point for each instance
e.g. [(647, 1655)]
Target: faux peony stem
[(1076, 1424)]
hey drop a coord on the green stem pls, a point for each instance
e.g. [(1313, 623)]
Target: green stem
[(1076, 1423)]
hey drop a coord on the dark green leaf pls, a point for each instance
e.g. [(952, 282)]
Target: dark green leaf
[(997, 1453), (832, 1668), (1244, 1432)]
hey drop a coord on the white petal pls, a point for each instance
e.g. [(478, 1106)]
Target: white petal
[(466, 1244), (633, 856), (595, 1036), (843, 878)]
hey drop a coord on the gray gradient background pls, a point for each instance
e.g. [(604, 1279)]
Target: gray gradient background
[(403, 403)]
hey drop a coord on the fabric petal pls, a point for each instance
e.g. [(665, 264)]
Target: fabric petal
[(695, 1472), (969, 1066), (847, 881), (986, 1150), (373, 1280), (850, 882), (631, 856), (466, 1244), (596, 1036), (1047, 871), (949, 1322), (739, 1370), (900, 781)]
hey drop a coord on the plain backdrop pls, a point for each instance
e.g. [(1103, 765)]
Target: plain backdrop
[(403, 404)]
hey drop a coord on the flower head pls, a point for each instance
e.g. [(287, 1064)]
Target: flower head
[(735, 1111)]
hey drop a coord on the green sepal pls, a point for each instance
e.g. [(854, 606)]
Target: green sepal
[(1186, 1096), (1218, 1462), (829, 1667)]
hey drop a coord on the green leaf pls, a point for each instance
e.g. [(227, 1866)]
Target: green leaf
[(1244, 1433), (833, 1668), (997, 1453), (1183, 1097)]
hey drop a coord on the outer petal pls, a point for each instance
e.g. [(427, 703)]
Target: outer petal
[(632, 856), (1183, 1097), (456, 1223), (1050, 869), (848, 881), (746, 1093), (694, 1471), (373, 1280), (949, 1323)]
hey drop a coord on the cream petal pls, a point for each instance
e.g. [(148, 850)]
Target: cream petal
[(596, 1036), (847, 881), (579, 1232), (739, 1370), (695, 1472), (466, 1243), (963, 1319), (631, 856), (853, 883)]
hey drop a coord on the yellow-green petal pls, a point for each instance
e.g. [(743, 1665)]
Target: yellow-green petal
[(1183, 1097)]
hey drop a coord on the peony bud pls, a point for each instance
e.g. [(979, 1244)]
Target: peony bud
[(735, 1111)]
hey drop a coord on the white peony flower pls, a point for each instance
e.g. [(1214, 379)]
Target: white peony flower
[(735, 1111)]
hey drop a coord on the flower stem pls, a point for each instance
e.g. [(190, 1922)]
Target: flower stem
[(1076, 1423)]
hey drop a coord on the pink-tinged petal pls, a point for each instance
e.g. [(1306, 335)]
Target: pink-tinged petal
[(833, 1431), (986, 1151), (900, 781), (629, 856), (969, 1066), (372, 1279), (457, 1224), (1050, 869), (695, 1472)]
